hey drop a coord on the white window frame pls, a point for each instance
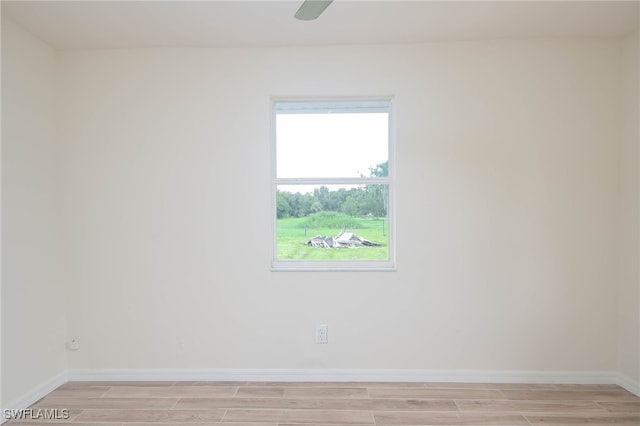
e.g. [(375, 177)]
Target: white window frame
[(335, 265)]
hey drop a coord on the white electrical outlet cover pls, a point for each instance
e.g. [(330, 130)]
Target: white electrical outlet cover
[(322, 333)]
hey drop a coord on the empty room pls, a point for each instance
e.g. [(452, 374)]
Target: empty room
[(266, 213)]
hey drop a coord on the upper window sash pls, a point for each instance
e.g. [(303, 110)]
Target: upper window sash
[(328, 130)]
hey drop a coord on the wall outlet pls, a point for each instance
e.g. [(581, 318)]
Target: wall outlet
[(73, 345), (322, 333)]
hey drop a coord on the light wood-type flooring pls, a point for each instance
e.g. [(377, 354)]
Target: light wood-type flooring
[(280, 404)]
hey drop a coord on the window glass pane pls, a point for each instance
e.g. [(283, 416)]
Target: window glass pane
[(330, 144), (332, 222)]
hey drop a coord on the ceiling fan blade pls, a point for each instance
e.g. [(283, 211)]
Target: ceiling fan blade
[(311, 9)]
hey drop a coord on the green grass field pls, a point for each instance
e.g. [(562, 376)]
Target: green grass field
[(292, 242)]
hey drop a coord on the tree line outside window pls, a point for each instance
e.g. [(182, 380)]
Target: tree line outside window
[(363, 200)]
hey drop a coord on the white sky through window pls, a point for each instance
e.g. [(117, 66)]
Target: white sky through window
[(330, 145)]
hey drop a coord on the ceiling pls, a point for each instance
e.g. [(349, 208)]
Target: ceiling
[(131, 24)]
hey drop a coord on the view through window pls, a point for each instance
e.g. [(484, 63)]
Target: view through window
[(332, 184)]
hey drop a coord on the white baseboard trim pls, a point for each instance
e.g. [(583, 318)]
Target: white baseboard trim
[(628, 384), (349, 375), (35, 394)]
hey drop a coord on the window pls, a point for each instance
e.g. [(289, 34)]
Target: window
[(332, 184)]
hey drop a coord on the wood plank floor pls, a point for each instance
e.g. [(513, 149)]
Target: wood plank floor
[(315, 404)]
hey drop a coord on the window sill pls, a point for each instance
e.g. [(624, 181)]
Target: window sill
[(302, 266)]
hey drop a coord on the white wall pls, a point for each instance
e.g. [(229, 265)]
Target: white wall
[(508, 209), (629, 298), (33, 297)]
